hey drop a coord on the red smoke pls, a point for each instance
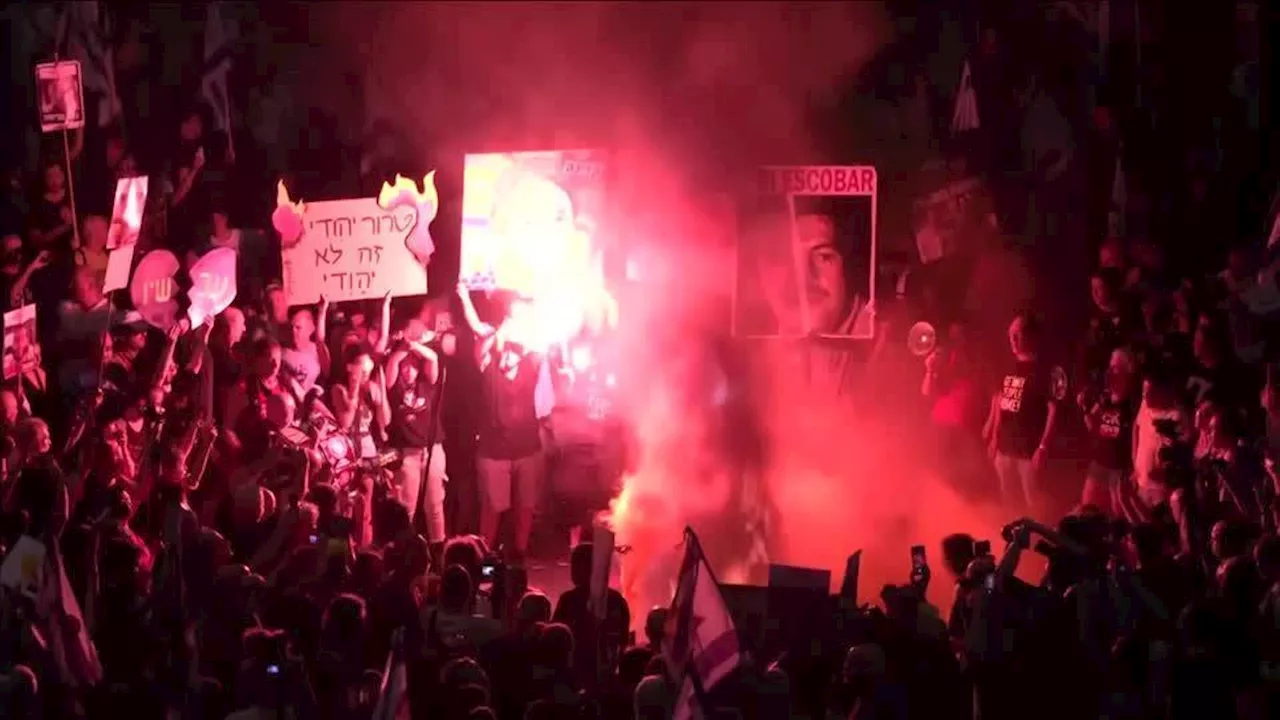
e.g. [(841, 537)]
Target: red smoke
[(677, 88)]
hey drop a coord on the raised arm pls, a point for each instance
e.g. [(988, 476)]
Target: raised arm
[(322, 321), (479, 328), (385, 335)]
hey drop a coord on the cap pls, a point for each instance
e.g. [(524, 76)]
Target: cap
[(131, 320)]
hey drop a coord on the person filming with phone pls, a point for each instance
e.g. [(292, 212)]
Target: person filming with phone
[(413, 370)]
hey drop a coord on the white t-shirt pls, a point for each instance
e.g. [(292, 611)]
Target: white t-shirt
[(302, 367)]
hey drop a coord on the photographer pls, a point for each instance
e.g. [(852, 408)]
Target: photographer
[(273, 680), (413, 369)]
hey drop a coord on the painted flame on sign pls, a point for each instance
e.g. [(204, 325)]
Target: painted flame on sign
[(287, 217), (405, 193)]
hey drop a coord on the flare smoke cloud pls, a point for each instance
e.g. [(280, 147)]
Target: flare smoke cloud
[(686, 92)]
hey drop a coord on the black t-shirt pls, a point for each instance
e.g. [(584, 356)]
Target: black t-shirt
[(1111, 438), (509, 429), (411, 415), (1025, 393), (1228, 382), (1107, 333)]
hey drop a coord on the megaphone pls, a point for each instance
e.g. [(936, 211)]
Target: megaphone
[(922, 339)]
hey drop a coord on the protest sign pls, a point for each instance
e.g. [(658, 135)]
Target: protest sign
[(23, 569), (60, 96), (531, 226), (21, 351), (944, 219), (807, 253), (119, 263), (359, 248), (154, 289), (213, 285), (126, 211)]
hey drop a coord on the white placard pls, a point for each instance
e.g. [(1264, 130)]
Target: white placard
[(24, 567), (59, 96), (126, 211), (119, 263), (352, 250)]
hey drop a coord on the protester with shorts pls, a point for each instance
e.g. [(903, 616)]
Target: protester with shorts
[(509, 460)]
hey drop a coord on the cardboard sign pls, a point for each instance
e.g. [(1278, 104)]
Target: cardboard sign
[(126, 212), (807, 253), (24, 567), (531, 225), (155, 289), (21, 349), (943, 219), (213, 285), (119, 263), (59, 96), (355, 249)]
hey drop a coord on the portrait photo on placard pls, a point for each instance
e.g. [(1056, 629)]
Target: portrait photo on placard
[(59, 96), (834, 242), (21, 351)]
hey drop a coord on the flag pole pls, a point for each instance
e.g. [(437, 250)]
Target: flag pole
[(66, 159)]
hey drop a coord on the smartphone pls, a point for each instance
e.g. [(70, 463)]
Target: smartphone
[(918, 559), (273, 669), (919, 563), (989, 582), (982, 547), (487, 570), (313, 539)]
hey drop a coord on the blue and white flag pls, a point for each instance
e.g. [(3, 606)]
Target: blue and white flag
[(701, 643), (220, 37), (87, 29)]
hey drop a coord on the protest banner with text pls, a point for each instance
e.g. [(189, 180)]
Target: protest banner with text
[(807, 253), (359, 248), (154, 288)]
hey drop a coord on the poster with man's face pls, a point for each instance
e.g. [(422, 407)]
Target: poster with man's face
[(60, 96), (807, 253), (21, 351), (126, 212)]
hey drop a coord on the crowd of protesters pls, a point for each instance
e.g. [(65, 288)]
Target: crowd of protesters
[(220, 569)]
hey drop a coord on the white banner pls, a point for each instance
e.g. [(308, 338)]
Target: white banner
[(348, 250), (59, 96)]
